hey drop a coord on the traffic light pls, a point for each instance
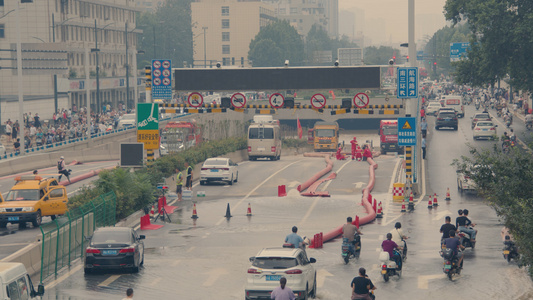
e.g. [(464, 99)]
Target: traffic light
[(407, 58), (394, 57), (435, 66), (148, 77)]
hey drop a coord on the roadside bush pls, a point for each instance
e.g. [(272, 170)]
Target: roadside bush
[(294, 143)]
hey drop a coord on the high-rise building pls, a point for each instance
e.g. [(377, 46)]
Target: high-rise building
[(149, 5), (222, 30), (56, 37)]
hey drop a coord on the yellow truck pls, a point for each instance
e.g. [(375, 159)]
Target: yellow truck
[(30, 199), (325, 136)]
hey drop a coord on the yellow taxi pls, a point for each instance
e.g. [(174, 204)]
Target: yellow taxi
[(31, 198)]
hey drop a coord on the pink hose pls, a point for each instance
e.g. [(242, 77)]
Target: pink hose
[(317, 176)]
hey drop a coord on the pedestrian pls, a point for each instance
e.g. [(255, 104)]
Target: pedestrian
[(188, 183), (422, 113), (354, 147), (14, 131), (8, 131), (282, 292), (179, 183), (423, 148), (62, 169), (424, 127), (16, 146), (366, 152), (129, 294), (37, 123)]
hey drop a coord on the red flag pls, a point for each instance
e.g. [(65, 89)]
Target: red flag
[(300, 131)]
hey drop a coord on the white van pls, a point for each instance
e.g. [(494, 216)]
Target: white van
[(264, 139), (16, 283), (455, 102)]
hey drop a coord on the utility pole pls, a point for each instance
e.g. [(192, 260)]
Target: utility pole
[(205, 48), (127, 69), (55, 75), (97, 110), (20, 85)]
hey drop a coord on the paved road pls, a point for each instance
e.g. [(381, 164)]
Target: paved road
[(14, 239)]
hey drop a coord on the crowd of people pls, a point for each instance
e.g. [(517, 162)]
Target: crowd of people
[(66, 124)]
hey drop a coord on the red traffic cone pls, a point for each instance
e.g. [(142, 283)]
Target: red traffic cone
[(380, 211), (430, 203), (411, 202), (403, 207), (448, 195), (152, 212), (357, 222), (194, 214), (282, 192), (249, 211), (435, 200)]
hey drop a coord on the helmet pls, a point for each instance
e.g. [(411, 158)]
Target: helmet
[(294, 229), (398, 225), (62, 157)]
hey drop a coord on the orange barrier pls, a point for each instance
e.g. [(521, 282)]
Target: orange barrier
[(147, 225), (282, 191)]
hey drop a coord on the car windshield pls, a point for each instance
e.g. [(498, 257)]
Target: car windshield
[(479, 124), (275, 262), (216, 162), (481, 116), (390, 130), (128, 117), (447, 115), (111, 237), (23, 195), (261, 133), (324, 133)]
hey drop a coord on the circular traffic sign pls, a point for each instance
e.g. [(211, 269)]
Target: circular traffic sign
[(157, 73), (157, 81), (166, 64), (318, 101), (166, 72), (238, 100), (361, 100), (276, 100), (166, 81), (157, 64), (195, 99)]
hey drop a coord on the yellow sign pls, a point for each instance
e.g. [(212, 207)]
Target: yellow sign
[(406, 125), (150, 138)]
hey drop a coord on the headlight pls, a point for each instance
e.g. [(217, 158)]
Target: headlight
[(2, 209), (27, 209)]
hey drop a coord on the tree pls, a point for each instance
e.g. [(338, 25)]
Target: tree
[(280, 35), (506, 182), (379, 56), (438, 47), (318, 40), (168, 32)]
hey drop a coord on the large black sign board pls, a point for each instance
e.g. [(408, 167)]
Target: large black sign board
[(131, 154)]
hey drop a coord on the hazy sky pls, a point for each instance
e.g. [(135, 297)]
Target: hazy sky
[(386, 20)]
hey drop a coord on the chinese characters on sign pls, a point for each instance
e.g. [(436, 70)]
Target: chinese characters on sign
[(406, 131), (407, 83), (161, 79), (150, 138)]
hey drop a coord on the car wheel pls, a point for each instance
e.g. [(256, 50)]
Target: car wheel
[(237, 178), (142, 260), (38, 219), (231, 181), (306, 294), (455, 128), (475, 138), (437, 128), (135, 269)]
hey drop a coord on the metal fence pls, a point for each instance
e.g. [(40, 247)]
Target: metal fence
[(63, 240)]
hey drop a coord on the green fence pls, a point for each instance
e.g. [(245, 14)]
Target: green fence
[(63, 240)]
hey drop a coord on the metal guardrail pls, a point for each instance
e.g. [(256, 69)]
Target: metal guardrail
[(63, 240)]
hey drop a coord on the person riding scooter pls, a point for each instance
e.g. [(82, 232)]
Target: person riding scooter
[(393, 249), (294, 239), (399, 238), (352, 233)]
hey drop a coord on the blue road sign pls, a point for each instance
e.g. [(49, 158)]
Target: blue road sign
[(162, 79), (406, 131), (458, 51), (407, 83)]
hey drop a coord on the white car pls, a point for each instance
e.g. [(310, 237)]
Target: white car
[(219, 169), (433, 108), (270, 264), (485, 129), (127, 120), (465, 184)]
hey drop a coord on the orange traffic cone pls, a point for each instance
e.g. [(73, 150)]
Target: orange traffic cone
[(411, 202), (403, 207), (249, 211), (430, 203), (380, 211), (448, 195), (435, 200), (152, 212), (194, 214)]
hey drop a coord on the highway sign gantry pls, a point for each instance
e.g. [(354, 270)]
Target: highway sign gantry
[(407, 82)]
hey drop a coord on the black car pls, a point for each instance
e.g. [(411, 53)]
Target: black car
[(446, 118), (114, 248)]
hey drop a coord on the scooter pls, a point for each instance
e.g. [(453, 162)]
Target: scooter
[(510, 251), (465, 240), (451, 266), (477, 106), (508, 123), (349, 250), (389, 267)]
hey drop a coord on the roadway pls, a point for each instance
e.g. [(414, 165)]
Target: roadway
[(14, 238)]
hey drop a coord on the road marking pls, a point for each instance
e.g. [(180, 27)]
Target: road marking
[(155, 281), (109, 280), (321, 277), (338, 171), (190, 249), (257, 187), (293, 184), (423, 280), (63, 277), (441, 214), (358, 185), (214, 275), (14, 244), (75, 191), (308, 213), (176, 262), (389, 199)]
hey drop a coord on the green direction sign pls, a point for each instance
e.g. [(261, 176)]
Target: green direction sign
[(147, 116)]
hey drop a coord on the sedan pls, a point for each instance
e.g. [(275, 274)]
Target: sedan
[(485, 129), (114, 248), (480, 117), (219, 169), (433, 108)]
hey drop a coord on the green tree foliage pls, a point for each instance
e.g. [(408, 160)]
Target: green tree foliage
[(438, 46), (506, 182), (501, 32), (318, 40), (169, 29), (379, 56), (282, 42)]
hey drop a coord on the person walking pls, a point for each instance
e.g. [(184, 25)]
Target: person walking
[(424, 127), (179, 183), (423, 148), (188, 183), (62, 169), (129, 294), (282, 292), (8, 131)]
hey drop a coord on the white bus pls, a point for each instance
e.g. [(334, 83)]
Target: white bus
[(264, 140)]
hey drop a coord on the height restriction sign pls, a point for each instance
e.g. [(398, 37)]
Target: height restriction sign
[(318, 101)]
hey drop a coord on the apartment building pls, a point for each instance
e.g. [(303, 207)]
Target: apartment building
[(223, 29), (71, 29)]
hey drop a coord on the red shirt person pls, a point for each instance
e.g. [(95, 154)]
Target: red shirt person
[(354, 146)]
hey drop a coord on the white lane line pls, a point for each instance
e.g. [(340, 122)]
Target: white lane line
[(191, 249), (176, 262), (63, 277), (75, 191), (155, 281), (338, 171), (308, 213), (109, 280), (257, 187), (389, 199)]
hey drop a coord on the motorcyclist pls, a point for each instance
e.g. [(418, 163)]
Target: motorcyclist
[(398, 237), (351, 232), (390, 246), (512, 136), (464, 224), (62, 169), (529, 119), (505, 140), (294, 239), (454, 243), (446, 228), (362, 285)]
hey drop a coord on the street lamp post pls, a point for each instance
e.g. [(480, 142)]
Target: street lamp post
[(96, 50), (205, 48), (20, 85), (127, 67)]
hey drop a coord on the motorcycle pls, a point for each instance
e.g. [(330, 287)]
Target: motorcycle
[(389, 267), (349, 250), (510, 251), (451, 266), (465, 240), (508, 123), (477, 106)]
